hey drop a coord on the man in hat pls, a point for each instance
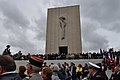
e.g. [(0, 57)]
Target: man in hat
[(33, 68), (7, 68), (94, 73)]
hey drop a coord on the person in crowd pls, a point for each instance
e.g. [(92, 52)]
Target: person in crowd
[(79, 72), (44, 64), (51, 64), (94, 73), (68, 73), (64, 65), (33, 68), (61, 72), (21, 71), (55, 70), (46, 73), (85, 70), (102, 70), (73, 70), (104, 66), (7, 68), (116, 74)]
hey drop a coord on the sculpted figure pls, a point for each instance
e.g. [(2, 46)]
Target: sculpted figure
[(7, 50), (62, 26)]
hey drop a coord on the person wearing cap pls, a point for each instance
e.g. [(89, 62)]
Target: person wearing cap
[(94, 73), (33, 68), (7, 68)]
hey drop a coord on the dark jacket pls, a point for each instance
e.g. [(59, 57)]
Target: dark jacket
[(97, 76), (22, 75), (10, 76), (62, 74), (73, 72), (115, 76)]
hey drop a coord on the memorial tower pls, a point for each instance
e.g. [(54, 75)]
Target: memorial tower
[(63, 33)]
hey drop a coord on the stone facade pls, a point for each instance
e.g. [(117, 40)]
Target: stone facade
[(63, 30)]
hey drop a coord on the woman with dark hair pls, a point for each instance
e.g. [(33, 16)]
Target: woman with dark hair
[(21, 72)]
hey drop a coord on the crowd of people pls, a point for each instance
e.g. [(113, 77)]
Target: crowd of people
[(110, 54), (54, 56), (38, 69)]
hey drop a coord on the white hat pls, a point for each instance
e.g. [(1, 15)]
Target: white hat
[(94, 65)]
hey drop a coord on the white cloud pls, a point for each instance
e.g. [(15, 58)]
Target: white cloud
[(92, 41), (10, 11)]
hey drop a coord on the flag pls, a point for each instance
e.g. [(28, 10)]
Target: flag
[(109, 58)]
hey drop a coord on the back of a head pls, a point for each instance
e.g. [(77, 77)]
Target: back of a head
[(48, 72), (55, 68), (59, 65), (8, 63), (79, 65), (72, 64), (22, 69)]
